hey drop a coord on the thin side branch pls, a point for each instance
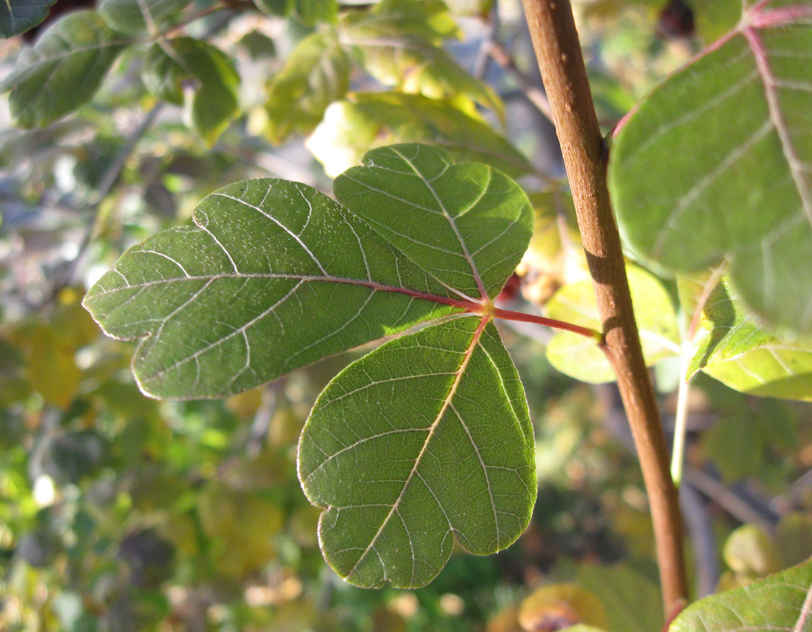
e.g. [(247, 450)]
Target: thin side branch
[(558, 50)]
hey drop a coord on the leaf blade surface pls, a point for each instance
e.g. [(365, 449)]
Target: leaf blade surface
[(427, 436), (273, 276), (716, 164)]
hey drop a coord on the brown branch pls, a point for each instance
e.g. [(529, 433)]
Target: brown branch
[(558, 50)]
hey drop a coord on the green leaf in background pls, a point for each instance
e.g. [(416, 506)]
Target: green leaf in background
[(308, 12), (198, 76), (778, 602), (19, 16), (428, 20), (63, 70), (631, 600), (351, 128), (138, 16), (579, 357), (467, 224), (316, 73), (273, 276), (717, 163), (417, 66), (426, 437), (739, 352)]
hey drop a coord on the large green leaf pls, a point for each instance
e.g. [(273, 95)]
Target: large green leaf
[(137, 16), (717, 163), (316, 73), (738, 351), (351, 128), (466, 224), (18, 16), (426, 437), (778, 602), (63, 70), (200, 77), (580, 357), (274, 275)]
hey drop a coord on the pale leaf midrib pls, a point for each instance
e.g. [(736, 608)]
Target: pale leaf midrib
[(432, 428)]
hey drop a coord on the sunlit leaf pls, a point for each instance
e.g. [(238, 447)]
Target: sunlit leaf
[(63, 70), (351, 128), (426, 19), (273, 276), (308, 12), (737, 181), (18, 16), (778, 602), (580, 357), (200, 77), (737, 350), (455, 218), (316, 73), (426, 437), (137, 16)]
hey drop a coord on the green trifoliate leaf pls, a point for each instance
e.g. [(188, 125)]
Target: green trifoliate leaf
[(426, 437), (717, 163), (63, 70), (137, 16), (273, 276), (778, 602), (19, 16), (466, 224), (351, 128), (580, 357), (738, 351), (199, 77), (316, 73)]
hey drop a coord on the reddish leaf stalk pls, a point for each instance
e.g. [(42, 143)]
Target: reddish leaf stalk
[(558, 51)]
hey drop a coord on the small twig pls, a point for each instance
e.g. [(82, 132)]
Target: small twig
[(105, 186), (558, 50), (533, 93), (681, 418)]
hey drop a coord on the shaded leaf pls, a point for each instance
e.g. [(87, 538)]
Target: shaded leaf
[(273, 276), (466, 224), (316, 73), (580, 357), (19, 16), (632, 601), (778, 602), (427, 436), (198, 76), (738, 180), (351, 128), (137, 16), (63, 70), (741, 353)]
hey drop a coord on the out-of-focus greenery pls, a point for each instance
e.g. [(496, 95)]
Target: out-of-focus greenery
[(121, 513)]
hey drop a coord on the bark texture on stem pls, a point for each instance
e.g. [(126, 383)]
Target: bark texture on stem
[(558, 50)]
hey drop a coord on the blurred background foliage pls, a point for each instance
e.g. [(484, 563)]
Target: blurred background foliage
[(121, 513)]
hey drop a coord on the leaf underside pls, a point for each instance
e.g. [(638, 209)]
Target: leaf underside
[(427, 436), (717, 163), (738, 351), (780, 602)]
